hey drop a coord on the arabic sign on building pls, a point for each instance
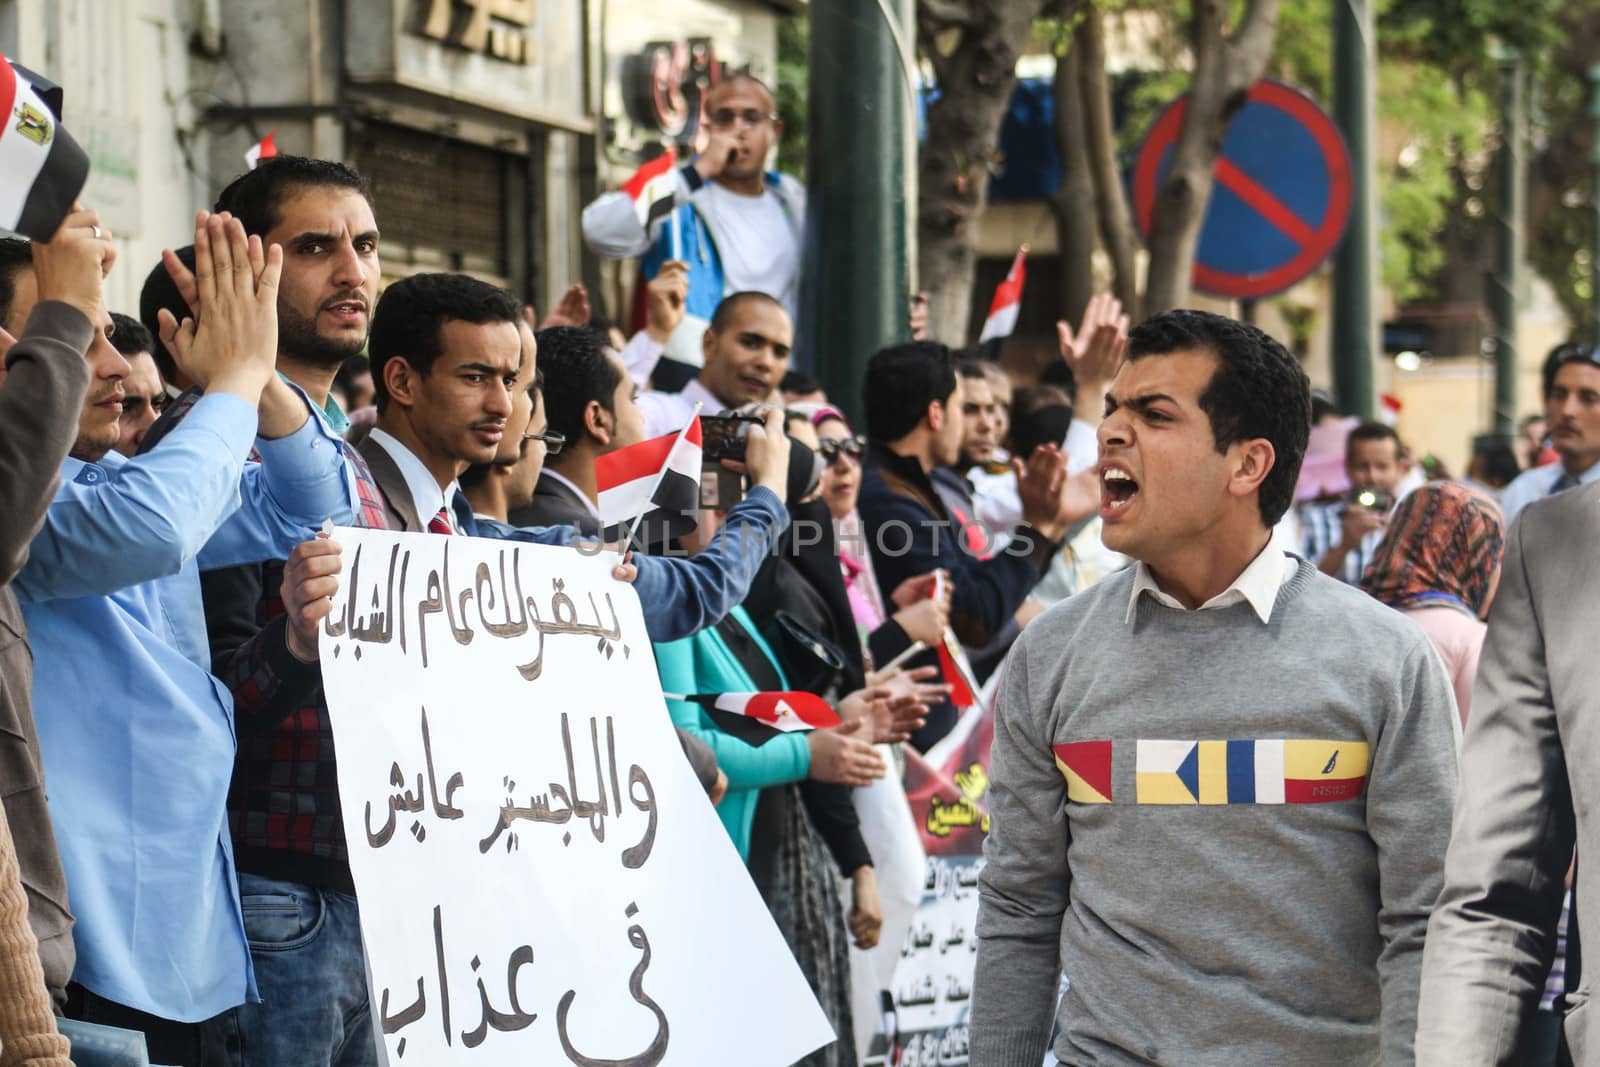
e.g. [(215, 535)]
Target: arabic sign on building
[(542, 879), (514, 58), (497, 28)]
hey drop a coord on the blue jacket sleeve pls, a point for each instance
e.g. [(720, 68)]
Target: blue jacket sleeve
[(122, 522), (784, 759), (301, 481), (684, 596)]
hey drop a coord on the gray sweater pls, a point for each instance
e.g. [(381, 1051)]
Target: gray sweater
[(1229, 833)]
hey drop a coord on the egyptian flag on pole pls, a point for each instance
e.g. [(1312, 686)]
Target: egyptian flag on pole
[(651, 188), (42, 169), (756, 718), (1003, 312), (658, 475), (266, 148), (956, 671)]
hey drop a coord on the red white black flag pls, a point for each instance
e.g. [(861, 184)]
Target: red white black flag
[(756, 718), (661, 474), (651, 188), (42, 169), (1002, 320), (266, 148)]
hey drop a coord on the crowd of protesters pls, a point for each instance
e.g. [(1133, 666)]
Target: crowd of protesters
[(1234, 636)]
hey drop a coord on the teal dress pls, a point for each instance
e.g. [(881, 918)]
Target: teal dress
[(704, 664)]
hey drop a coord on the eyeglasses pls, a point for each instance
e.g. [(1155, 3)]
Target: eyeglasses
[(833, 451), (553, 442), (724, 117)]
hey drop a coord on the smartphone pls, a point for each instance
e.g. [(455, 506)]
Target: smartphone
[(722, 437)]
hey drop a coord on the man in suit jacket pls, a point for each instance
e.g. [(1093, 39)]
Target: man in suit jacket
[(592, 402), (1530, 788)]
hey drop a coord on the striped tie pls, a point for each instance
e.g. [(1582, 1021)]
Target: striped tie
[(440, 523)]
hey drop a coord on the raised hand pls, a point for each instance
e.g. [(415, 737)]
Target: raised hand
[(668, 295), (573, 310), (234, 347), (72, 265), (1094, 352)]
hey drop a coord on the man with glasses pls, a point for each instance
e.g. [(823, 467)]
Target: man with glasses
[(1572, 413), (144, 395), (735, 225)]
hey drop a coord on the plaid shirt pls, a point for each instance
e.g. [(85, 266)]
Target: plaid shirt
[(1322, 528), (283, 807)]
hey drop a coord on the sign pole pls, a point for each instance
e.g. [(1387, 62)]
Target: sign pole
[(1355, 273)]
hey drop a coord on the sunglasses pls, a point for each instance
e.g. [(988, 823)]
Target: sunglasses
[(553, 442), (724, 117), (832, 451)]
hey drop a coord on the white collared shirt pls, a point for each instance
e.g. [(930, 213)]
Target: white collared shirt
[(666, 413), (426, 496), (1257, 584), (561, 479)]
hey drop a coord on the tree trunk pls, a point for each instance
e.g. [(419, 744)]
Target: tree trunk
[(1074, 200), (1118, 231), (1224, 70), (975, 79)]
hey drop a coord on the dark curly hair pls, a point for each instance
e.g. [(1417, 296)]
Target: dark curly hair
[(902, 380), (409, 320), (255, 196), (1258, 391)]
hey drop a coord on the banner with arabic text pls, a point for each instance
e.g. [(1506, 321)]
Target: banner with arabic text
[(542, 878)]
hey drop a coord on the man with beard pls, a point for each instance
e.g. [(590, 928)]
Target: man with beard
[(308, 959)]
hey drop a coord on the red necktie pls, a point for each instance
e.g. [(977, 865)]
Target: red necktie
[(440, 523)]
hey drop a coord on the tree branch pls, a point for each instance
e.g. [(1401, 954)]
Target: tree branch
[(1117, 229), (1251, 45), (942, 15)]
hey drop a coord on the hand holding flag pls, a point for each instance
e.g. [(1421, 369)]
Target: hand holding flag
[(661, 474), (953, 660)]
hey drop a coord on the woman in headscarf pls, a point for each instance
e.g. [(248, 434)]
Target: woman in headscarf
[(1439, 563)]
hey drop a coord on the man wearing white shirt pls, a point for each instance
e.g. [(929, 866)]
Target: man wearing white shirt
[(746, 350), (1572, 410)]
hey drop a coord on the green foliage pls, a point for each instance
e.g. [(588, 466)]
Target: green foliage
[(794, 46), (1436, 77)]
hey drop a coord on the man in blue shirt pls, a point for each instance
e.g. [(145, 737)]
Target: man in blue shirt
[(137, 736), (1572, 410)]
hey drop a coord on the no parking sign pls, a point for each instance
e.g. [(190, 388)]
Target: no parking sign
[(1281, 198)]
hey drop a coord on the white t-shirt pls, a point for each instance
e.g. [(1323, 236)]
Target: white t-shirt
[(757, 245)]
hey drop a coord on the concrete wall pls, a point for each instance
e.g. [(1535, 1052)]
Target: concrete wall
[(129, 101)]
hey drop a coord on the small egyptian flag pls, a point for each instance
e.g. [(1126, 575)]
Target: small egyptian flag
[(756, 718), (266, 148), (957, 672), (661, 474), (1007, 304), (42, 169), (651, 189)]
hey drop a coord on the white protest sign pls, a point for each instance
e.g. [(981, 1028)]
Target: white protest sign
[(542, 878)]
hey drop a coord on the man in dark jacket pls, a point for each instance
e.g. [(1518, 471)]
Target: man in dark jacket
[(913, 407)]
